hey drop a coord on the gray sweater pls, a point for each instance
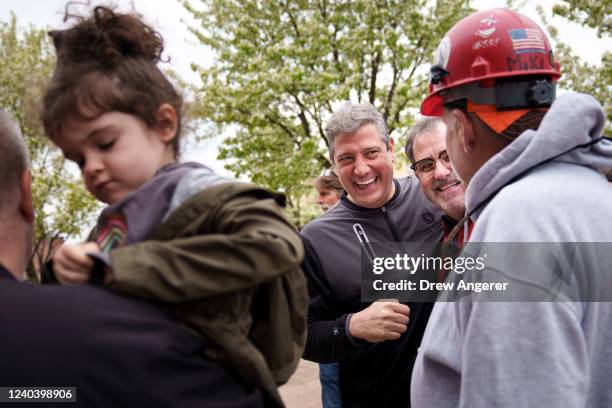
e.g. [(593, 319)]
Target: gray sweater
[(531, 354)]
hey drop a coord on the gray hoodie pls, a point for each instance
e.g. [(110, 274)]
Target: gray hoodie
[(531, 354)]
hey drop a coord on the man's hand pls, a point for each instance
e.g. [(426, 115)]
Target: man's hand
[(382, 320), (71, 264)]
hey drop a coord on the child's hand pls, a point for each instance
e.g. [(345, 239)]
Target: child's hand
[(71, 264)]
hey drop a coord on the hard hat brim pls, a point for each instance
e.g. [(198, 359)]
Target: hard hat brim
[(432, 106)]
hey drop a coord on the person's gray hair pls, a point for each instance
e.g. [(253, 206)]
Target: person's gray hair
[(424, 125), (349, 118), (14, 157)]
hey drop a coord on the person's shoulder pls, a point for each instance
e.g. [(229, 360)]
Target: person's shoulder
[(202, 187), (538, 206), (406, 183), (523, 202), (410, 189), (407, 179), (412, 199), (326, 221), (555, 184), (80, 306), (196, 180), (322, 221)]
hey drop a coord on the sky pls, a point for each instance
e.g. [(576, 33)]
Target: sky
[(171, 20)]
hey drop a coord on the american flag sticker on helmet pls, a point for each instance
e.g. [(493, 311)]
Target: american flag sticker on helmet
[(527, 40)]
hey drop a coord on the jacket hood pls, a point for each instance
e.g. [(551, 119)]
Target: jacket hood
[(573, 120)]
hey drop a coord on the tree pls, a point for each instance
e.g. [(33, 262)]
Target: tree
[(595, 14), (282, 66), (63, 208), (578, 75)]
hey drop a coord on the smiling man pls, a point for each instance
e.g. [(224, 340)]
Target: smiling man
[(426, 149), (374, 343)]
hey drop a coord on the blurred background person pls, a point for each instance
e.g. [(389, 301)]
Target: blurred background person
[(329, 190)]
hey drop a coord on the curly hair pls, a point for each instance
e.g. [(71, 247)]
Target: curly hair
[(107, 62)]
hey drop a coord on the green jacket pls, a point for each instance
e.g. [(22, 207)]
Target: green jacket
[(228, 262), (223, 257)]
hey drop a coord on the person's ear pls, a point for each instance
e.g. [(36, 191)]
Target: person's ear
[(464, 130), (391, 149), (166, 122), (26, 206)]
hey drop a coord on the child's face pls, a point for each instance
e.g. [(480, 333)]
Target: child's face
[(116, 152)]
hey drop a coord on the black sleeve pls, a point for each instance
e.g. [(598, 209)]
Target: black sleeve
[(46, 274), (327, 339)]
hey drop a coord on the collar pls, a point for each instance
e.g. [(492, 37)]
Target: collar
[(456, 234), (131, 219), (348, 203), (5, 274), (448, 223), (173, 166)]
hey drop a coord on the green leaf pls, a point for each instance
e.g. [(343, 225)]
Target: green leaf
[(281, 66)]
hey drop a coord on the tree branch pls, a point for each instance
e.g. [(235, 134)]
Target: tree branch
[(391, 94), (291, 18), (373, 75), (319, 122), (302, 116)]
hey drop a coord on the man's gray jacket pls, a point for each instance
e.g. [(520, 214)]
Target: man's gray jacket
[(544, 187)]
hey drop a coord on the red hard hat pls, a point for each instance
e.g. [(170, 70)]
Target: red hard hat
[(487, 45)]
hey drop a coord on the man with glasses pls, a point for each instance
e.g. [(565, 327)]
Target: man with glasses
[(426, 149)]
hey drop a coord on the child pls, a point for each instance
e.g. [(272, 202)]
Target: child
[(219, 252)]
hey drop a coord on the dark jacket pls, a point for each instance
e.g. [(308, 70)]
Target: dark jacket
[(371, 374), (116, 351)]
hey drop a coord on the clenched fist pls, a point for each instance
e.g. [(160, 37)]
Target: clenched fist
[(72, 265), (382, 320)]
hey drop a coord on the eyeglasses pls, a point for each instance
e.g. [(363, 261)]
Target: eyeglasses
[(426, 167)]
